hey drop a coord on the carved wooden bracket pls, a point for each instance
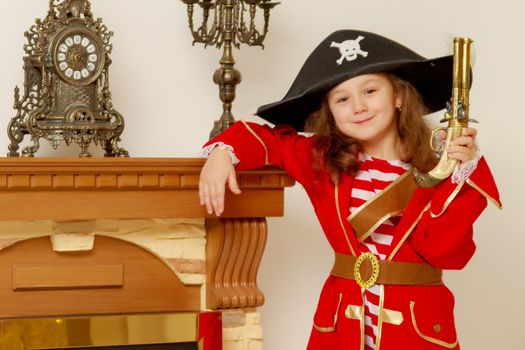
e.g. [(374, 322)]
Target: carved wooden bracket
[(234, 250)]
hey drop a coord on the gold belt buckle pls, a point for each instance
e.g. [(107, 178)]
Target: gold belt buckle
[(375, 270)]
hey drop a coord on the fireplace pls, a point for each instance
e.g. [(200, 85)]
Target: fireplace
[(160, 331), (119, 254)]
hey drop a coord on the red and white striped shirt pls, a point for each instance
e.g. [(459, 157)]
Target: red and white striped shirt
[(372, 177)]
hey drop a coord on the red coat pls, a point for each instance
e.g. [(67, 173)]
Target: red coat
[(436, 228)]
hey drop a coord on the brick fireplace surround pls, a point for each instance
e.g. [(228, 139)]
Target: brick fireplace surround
[(109, 252)]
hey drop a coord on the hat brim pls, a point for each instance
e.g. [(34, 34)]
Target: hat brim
[(432, 78)]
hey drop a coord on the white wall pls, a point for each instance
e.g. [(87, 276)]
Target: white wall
[(163, 87)]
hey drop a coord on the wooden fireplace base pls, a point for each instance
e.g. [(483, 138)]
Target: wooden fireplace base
[(117, 276)]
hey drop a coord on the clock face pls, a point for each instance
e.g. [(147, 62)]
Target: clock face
[(78, 56)]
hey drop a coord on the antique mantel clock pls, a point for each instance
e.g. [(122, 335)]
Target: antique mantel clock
[(66, 86)]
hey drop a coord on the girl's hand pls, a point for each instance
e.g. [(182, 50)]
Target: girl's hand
[(217, 170), (462, 148)]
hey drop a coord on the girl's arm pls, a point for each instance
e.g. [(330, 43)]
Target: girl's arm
[(216, 172), (463, 148), (254, 146), (444, 236)]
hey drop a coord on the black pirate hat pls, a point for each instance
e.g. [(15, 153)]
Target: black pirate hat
[(348, 53)]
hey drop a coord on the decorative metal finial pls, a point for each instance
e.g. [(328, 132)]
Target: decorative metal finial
[(227, 24)]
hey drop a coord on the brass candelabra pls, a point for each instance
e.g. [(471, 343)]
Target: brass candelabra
[(227, 24)]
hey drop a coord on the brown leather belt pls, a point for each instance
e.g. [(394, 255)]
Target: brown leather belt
[(367, 270)]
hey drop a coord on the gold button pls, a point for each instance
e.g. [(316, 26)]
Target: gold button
[(437, 328)]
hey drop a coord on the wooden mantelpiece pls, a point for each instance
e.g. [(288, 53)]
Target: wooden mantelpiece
[(82, 190)]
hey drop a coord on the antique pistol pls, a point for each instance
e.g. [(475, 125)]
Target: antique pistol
[(457, 115)]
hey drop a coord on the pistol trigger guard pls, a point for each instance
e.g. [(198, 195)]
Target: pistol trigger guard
[(433, 137)]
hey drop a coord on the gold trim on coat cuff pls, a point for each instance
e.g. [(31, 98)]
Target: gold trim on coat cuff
[(426, 337), (448, 201), (267, 160), (484, 194)]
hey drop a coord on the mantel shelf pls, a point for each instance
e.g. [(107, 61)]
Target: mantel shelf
[(93, 188)]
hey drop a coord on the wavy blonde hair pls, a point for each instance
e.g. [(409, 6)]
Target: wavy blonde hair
[(337, 152)]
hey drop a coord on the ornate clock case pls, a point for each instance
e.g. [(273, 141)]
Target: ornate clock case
[(66, 86)]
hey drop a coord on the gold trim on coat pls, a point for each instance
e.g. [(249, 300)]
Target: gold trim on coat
[(324, 329), (449, 200), (426, 337), (357, 312), (337, 309), (484, 194), (362, 320), (381, 316), (353, 312), (267, 160), (336, 194), (409, 231), (330, 329), (392, 317)]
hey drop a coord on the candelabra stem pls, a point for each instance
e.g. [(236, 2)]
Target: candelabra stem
[(227, 77)]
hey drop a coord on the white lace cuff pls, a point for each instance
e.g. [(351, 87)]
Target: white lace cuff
[(462, 171), (205, 152)]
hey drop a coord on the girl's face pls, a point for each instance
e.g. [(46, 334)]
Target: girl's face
[(364, 108)]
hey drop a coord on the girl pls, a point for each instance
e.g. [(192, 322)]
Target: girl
[(363, 97)]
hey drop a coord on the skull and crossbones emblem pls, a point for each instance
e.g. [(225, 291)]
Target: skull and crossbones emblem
[(349, 49)]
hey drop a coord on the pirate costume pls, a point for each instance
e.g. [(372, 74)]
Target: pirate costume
[(391, 240)]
